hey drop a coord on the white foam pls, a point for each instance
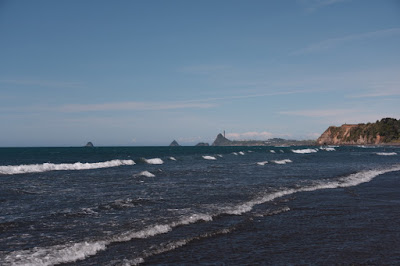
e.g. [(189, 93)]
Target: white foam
[(172, 158), (45, 167), (77, 251), (272, 151), (366, 147), (165, 247), (234, 153), (303, 151), (281, 151), (55, 254), (193, 219), (146, 174), (154, 161), (206, 157), (262, 163), (327, 148), (386, 153), (219, 155), (241, 153), (284, 161), (348, 181)]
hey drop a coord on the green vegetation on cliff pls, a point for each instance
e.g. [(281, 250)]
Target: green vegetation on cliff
[(387, 130)]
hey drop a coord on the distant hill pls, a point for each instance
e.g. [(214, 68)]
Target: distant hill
[(202, 144), (385, 131), (222, 141)]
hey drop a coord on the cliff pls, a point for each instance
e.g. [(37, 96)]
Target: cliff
[(385, 131)]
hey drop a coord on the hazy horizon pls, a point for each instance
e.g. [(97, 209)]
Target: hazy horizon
[(145, 73)]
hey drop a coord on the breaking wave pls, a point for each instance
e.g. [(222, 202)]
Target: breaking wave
[(262, 163), (165, 247), (145, 173), (347, 181), (303, 151), (154, 161), (285, 161), (327, 148), (72, 252), (206, 157), (45, 167), (386, 153)]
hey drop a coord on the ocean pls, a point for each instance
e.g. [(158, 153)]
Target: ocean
[(200, 205)]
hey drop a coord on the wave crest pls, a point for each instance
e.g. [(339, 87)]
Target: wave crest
[(285, 161), (145, 173), (154, 161), (45, 167), (386, 153), (303, 151)]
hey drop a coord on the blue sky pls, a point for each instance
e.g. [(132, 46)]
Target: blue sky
[(149, 72)]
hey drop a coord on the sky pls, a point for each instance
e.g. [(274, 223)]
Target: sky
[(145, 73)]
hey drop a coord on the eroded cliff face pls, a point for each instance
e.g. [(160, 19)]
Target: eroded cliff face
[(349, 135)]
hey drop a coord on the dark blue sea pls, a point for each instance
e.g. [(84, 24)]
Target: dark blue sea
[(200, 205)]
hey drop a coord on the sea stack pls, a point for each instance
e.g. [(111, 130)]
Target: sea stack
[(221, 141), (174, 144), (89, 145)]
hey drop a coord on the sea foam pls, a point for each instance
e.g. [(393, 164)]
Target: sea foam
[(347, 181), (45, 167), (154, 161), (303, 151), (327, 148), (72, 252), (206, 157), (285, 161), (145, 173), (262, 163), (386, 153)]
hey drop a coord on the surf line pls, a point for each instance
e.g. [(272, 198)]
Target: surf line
[(72, 252), (45, 167)]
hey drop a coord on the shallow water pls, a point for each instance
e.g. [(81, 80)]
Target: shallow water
[(174, 205)]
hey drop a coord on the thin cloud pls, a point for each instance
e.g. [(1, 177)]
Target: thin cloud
[(257, 95), (133, 106), (373, 94), (334, 42), (204, 69), (144, 106), (43, 83), (250, 135), (313, 5), (320, 113)]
